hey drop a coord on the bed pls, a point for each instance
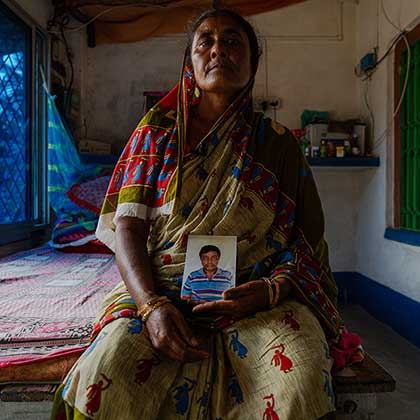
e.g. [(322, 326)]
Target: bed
[(48, 303)]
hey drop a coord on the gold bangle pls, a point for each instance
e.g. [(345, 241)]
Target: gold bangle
[(149, 304), (277, 292), (270, 290), (156, 305)]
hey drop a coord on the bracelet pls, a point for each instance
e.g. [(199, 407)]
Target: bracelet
[(146, 306), (273, 291), (146, 315), (145, 310), (270, 291), (277, 292)]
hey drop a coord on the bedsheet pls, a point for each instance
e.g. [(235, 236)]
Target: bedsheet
[(48, 303)]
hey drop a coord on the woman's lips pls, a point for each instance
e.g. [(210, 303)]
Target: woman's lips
[(219, 67)]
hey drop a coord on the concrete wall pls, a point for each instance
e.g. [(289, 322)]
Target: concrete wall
[(308, 58), (394, 264)]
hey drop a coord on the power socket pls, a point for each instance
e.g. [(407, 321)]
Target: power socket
[(263, 103)]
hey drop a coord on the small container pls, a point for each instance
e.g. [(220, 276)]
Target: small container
[(355, 151), (303, 144), (347, 148), (308, 150), (315, 152), (339, 151), (331, 149), (323, 152)]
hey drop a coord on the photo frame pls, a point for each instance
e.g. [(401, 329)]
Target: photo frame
[(210, 267)]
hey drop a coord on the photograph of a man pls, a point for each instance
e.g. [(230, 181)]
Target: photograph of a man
[(210, 281)]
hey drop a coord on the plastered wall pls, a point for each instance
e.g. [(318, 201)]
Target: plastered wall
[(40, 10), (393, 264)]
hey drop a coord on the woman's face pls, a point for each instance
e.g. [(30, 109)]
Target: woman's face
[(221, 56)]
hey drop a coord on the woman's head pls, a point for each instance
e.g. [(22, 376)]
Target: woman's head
[(224, 51)]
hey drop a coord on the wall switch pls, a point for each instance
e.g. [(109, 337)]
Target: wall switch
[(368, 62), (263, 103)]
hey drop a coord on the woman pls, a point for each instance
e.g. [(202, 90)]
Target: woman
[(202, 162)]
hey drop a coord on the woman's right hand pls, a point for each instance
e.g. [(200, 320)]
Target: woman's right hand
[(171, 335)]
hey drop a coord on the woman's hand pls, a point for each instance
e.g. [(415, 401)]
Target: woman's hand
[(244, 300), (239, 302), (171, 335)]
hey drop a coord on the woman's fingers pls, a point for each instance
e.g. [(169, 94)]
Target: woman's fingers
[(219, 306), (193, 303), (242, 290), (186, 332), (171, 336), (181, 351)]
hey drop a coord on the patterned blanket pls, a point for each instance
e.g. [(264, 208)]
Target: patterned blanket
[(48, 302)]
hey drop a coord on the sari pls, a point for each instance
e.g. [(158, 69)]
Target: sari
[(248, 178)]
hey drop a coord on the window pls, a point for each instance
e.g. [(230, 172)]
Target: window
[(407, 135), (23, 113)]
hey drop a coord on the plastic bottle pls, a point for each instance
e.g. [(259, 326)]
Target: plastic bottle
[(347, 148)]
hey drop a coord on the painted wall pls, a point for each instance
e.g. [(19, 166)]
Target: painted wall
[(308, 58), (394, 264), (40, 10)]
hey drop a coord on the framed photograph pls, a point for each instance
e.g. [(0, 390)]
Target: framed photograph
[(210, 267)]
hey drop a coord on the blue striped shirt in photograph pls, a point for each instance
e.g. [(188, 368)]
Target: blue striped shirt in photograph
[(199, 287)]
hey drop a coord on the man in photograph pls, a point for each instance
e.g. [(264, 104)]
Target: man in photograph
[(210, 281)]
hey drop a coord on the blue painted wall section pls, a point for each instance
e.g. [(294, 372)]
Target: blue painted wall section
[(404, 236), (401, 313)]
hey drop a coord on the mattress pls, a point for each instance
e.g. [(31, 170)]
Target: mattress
[(48, 304)]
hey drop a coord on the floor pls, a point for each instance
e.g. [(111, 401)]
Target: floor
[(398, 356)]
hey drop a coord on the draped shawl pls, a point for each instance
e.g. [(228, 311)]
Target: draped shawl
[(247, 177)]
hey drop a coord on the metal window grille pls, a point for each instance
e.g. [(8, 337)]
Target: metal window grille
[(410, 143), (14, 119), (23, 139)]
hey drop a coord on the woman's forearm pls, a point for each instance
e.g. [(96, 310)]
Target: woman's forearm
[(285, 287), (133, 260)]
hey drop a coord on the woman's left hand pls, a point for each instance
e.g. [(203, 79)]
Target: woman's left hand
[(238, 302)]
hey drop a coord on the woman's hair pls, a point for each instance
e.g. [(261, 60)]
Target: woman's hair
[(245, 25)]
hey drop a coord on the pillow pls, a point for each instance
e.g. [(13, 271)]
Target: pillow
[(90, 194), (76, 232)]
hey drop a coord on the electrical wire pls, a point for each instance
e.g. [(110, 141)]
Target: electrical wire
[(402, 35), (388, 18), (123, 6), (367, 103)]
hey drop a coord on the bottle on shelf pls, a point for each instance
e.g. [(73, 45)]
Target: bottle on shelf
[(347, 148), (308, 150), (323, 152), (331, 149), (303, 144)]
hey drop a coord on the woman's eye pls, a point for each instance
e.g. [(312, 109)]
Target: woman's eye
[(232, 41), (204, 43)]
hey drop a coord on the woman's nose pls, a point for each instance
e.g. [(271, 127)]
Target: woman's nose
[(218, 50)]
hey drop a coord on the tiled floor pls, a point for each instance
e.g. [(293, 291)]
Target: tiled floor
[(397, 355)]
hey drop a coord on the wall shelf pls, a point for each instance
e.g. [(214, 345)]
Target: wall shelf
[(345, 163)]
